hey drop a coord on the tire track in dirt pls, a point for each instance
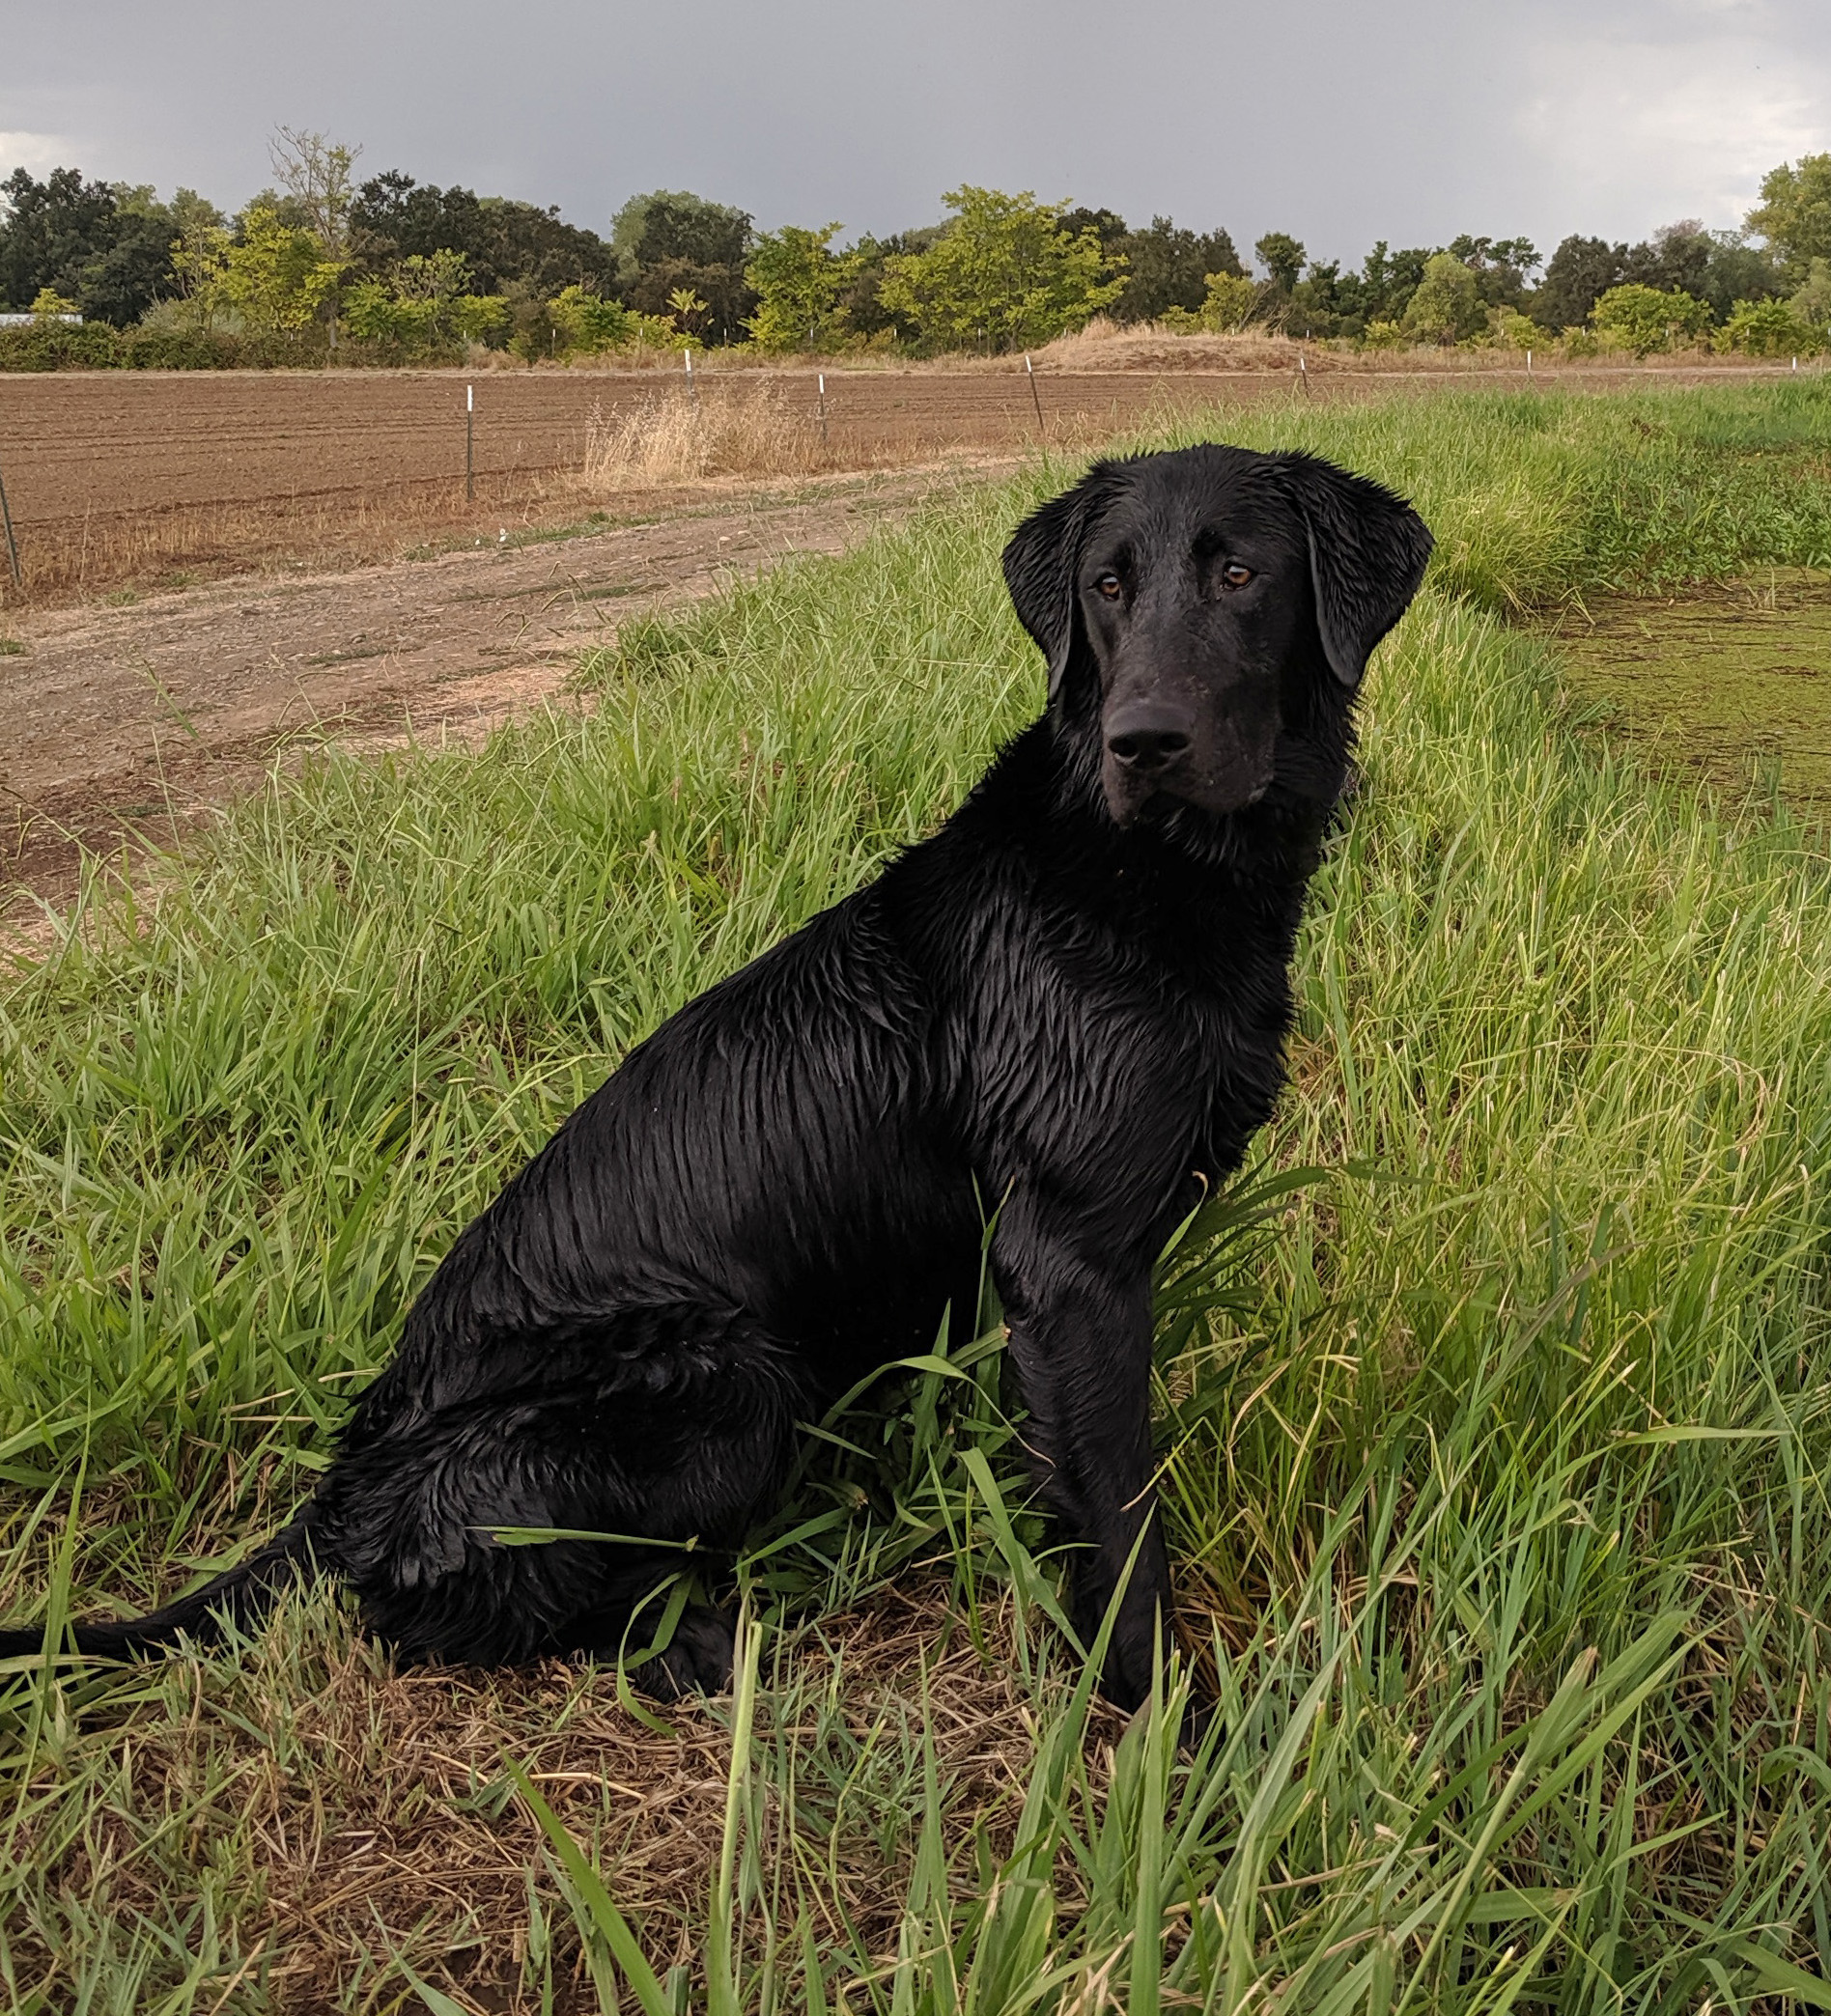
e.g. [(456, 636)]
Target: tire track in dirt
[(128, 724)]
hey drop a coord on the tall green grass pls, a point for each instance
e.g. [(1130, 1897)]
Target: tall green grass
[(1495, 1447)]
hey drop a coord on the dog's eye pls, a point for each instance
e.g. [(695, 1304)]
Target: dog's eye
[(1235, 576), (1111, 586)]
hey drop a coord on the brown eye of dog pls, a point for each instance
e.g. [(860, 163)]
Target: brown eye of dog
[(1109, 585), (1235, 576)]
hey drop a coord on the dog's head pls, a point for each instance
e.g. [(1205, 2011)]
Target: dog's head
[(1212, 610)]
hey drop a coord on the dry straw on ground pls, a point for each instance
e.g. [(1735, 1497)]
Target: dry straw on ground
[(359, 1807), (1108, 346), (683, 437)]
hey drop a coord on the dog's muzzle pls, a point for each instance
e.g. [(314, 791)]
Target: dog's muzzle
[(1153, 749)]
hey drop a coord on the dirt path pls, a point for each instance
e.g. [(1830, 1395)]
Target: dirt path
[(135, 719)]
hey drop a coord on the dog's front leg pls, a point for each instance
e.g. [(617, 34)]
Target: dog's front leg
[(1081, 1340)]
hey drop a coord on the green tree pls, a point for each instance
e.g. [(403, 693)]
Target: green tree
[(1383, 288), (435, 283), (374, 313), (1675, 258), (200, 257), (1648, 319), (1447, 306), (674, 224), (671, 241), (861, 303), (1812, 303), (1282, 258), (1317, 303), (1500, 267), (275, 274), (1166, 266), (394, 217), (107, 247), (798, 279), (1794, 212), (1739, 271), (319, 177), (483, 318), (1004, 275), (436, 305), (1581, 271)]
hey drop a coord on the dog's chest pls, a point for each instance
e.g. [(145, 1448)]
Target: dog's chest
[(1076, 1035)]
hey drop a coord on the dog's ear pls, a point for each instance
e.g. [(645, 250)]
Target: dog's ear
[(1041, 562), (1367, 550)]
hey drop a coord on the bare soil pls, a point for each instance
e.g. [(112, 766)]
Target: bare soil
[(127, 722), (119, 479), (148, 480)]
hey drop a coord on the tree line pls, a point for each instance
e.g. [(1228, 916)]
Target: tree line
[(385, 268)]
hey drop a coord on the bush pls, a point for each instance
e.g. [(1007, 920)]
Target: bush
[(1509, 329), (180, 350), (585, 321), (1768, 329), (94, 347), (59, 346), (1231, 300), (1648, 319)]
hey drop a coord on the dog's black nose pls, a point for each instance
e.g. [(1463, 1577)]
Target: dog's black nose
[(1147, 741)]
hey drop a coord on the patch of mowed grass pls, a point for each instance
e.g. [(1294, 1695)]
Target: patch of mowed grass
[(1494, 1441)]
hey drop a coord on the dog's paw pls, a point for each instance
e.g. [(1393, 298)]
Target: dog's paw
[(697, 1659)]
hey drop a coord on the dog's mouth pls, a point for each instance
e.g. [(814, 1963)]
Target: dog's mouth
[(1131, 799)]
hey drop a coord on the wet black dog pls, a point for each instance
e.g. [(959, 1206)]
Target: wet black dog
[(1071, 1002)]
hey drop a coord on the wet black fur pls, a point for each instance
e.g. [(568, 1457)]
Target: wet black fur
[(780, 1187)]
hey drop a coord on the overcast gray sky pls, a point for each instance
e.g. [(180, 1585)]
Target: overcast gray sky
[(1407, 120)]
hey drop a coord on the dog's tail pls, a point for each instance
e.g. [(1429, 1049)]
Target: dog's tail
[(242, 1595)]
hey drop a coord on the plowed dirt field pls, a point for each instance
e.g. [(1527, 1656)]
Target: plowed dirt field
[(118, 477), (129, 480)]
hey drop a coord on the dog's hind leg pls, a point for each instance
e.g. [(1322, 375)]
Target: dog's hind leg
[(684, 1444), (698, 1654), (711, 1485)]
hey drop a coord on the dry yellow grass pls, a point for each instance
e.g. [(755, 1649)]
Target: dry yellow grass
[(681, 437), (1108, 346)]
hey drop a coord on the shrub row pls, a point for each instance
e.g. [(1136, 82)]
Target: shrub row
[(57, 345)]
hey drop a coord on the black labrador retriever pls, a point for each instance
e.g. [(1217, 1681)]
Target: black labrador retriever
[(1071, 1002)]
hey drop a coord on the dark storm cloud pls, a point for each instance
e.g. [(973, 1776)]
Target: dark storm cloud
[(1338, 122)]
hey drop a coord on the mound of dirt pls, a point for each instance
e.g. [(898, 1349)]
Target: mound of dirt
[(1104, 345)]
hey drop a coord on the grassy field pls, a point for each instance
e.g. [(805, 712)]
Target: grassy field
[(1495, 1407)]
